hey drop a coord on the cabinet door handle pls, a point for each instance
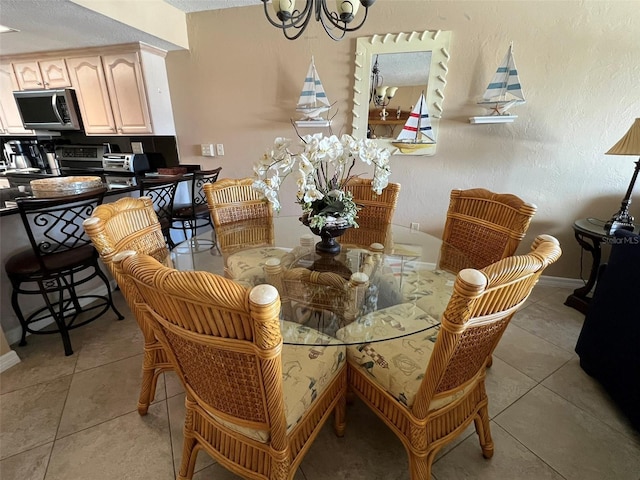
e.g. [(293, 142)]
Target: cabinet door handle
[(38, 83)]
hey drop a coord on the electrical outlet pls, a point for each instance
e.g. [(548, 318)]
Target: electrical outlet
[(207, 150), (220, 149), (415, 226)]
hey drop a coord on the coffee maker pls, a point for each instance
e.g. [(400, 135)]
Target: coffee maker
[(25, 154)]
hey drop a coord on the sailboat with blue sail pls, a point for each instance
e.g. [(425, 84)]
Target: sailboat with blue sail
[(503, 92), (313, 101)]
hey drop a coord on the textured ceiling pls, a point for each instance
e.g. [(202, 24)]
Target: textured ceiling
[(189, 6), (61, 24)]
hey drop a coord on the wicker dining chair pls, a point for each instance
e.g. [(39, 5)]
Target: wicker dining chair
[(243, 221), (376, 215), (323, 297), (482, 227), (428, 387), (254, 404), (132, 224)]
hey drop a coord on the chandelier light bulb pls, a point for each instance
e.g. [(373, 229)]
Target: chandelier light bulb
[(284, 9), (347, 9)]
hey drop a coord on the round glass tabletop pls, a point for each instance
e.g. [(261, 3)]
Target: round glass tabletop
[(363, 294)]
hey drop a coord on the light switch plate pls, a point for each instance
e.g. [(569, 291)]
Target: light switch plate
[(207, 150)]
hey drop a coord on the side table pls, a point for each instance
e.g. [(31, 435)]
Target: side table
[(590, 233)]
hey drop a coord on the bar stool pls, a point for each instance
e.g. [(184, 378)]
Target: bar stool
[(61, 258), (196, 214), (162, 192)]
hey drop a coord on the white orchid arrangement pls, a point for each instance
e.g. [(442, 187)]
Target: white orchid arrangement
[(322, 167)]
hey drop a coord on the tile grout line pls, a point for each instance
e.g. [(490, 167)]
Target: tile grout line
[(529, 450)]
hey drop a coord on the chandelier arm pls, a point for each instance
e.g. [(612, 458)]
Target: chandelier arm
[(297, 20), (329, 30), (333, 19), (301, 28)]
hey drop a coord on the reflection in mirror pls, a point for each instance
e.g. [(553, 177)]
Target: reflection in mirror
[(395, 76)]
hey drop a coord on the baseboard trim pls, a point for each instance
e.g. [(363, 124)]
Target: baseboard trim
[(560, 282), (8, 360)]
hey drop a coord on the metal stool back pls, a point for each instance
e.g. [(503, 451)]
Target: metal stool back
[(196, 215), (162, 192)]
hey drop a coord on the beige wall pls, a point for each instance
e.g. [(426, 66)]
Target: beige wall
[(579, 64)]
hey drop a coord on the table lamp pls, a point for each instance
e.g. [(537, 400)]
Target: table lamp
[(627, 145)]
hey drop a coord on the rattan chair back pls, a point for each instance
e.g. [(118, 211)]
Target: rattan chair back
[(233, 200), (225, 343), (319, 292), (376, 214), (241, 215), (482, 227), (477, 314), (225, 346), (132, 224), (481, 306)]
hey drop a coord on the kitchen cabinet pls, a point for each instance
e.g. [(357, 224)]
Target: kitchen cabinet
[(33, 74), (88, 80), (10, 120), (125, 83), (121, 89)]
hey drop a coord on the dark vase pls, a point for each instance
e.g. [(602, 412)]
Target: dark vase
[(328, 244)]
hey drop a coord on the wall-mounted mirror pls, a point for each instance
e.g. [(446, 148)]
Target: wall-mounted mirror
[(399, 90)]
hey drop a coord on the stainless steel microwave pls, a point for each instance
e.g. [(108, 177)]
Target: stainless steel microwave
[(54, 109)]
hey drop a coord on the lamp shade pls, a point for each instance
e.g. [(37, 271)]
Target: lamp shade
[(630, 143)]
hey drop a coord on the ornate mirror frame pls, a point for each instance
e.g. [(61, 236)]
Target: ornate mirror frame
[(437, 42)]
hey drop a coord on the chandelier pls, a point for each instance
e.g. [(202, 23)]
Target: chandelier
[(293, 22)]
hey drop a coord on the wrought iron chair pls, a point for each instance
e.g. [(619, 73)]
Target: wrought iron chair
[(59, 260), (429, 387), (196, 214), (376, 215), (248, 399), (162, 192), (132, 224)]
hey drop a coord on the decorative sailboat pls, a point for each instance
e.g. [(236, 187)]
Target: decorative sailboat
[(417, 132), (313, 101), (504, 91)]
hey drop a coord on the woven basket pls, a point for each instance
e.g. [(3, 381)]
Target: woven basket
[(63, 186)]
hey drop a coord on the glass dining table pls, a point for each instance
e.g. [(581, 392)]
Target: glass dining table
[(405, 293)]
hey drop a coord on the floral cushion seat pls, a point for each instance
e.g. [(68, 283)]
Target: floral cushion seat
[(429, 289), (307, 370), (247, 266), (397, 365)]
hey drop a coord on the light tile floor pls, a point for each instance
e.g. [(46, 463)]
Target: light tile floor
[(75, 418)]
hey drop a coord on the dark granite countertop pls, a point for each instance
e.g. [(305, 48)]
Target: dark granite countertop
[(21, 188)]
